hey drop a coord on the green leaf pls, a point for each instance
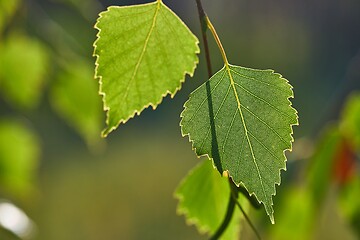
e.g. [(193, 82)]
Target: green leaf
[(242, 119), (297, 216), (82, 111), (7, 10), (23, 66), (322, 163), (143, 53), (203, 198), (19, 155), (350, 121), (349, 203)]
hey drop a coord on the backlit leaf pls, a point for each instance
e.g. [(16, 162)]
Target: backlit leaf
[(242, 119), (203, 199), (143, 53)]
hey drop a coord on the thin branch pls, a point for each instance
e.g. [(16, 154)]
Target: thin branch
[(227, 219), (233, 199), (217, 39), (234, 194), (248, 220), (203, 23)]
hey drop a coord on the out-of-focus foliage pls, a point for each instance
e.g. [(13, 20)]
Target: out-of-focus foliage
[(7, 10), (23, 65), (19, 157), (328, 187), (86, 7), (74, 96), (321, 163), (334, 165), (348, 168), (296, 216), (350, 122), (349, 203), (28, 62)]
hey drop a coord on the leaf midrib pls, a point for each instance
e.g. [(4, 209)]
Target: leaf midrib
[(232, 83), (158, 6)]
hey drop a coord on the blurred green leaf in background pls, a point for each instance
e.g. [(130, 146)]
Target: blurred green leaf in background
[(350, 122), (75, 97), (24, 63), (19, 158), (7, 10)]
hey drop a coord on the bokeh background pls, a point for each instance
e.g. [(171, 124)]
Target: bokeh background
[(74, 185)]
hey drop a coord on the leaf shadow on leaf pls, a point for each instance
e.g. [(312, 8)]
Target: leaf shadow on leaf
[(215, 150), (214, 143)]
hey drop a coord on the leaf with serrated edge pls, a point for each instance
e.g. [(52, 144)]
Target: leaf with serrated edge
[(242, 119), (143, 53), (203, 198)]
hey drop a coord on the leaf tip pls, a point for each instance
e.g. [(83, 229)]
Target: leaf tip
[(272, 218), (105, 132)]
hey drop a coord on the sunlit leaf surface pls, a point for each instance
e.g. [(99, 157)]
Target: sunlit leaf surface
[(143, 53)]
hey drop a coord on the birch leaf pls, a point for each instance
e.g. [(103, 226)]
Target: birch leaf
[(203, 199), (242, 119), (143, 53)]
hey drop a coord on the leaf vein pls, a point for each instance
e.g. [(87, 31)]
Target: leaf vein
[(228, 132), (216, 114), (206, 98), (143, 50), (133, 14), (246, 131), (267, 125), (258, 80), (171, 27), (263, 145), (263, 100)]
